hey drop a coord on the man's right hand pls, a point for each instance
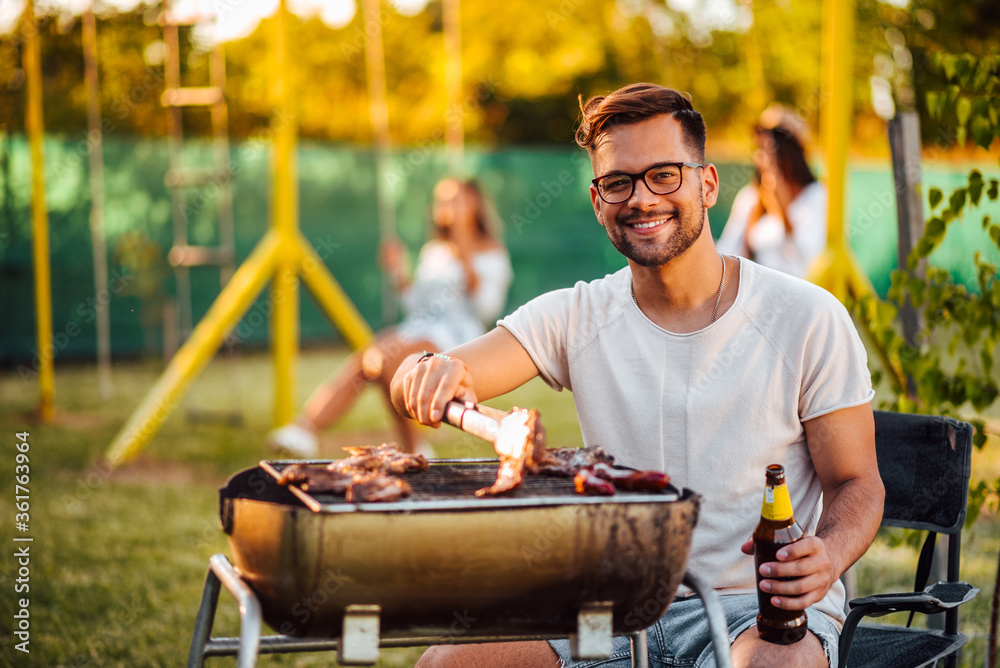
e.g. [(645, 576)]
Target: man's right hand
[(425, 387), (496, 360)]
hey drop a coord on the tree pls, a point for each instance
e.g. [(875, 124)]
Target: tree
[(952, 359)]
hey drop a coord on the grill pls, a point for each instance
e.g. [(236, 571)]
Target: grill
[(451, 484), (444, 562)]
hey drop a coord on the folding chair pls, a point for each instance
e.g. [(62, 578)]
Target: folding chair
[(924, 461)]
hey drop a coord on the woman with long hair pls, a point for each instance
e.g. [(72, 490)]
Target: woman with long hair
[(779, 220), (458, 288)]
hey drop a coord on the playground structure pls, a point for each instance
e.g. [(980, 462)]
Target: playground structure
[(179, 179), (837, 270), (39, 217), (283, 256)]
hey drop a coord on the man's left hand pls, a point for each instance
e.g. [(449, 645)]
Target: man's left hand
[(806, 561)]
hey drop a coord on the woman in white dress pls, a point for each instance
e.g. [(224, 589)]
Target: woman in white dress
[(778, 221), (457, 290)]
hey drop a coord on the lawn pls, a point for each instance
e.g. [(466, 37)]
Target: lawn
[(118, 558)]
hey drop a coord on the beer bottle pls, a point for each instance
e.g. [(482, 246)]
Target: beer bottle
[(777, 527)]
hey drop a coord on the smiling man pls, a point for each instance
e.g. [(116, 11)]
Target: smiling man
[(704, 366)]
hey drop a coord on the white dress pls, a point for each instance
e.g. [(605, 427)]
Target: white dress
[(437, 306), (767, 243)]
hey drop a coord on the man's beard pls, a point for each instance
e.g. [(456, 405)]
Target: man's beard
[(688, 224)]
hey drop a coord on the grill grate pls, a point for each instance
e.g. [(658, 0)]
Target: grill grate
[(450, 483)]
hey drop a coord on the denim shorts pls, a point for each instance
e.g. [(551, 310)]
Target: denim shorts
[(681, 637)]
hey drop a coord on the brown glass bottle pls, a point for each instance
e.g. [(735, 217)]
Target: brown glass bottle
[(777, 528)]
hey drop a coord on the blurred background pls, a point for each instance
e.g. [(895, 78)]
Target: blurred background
[(522, 64), (120, 554)]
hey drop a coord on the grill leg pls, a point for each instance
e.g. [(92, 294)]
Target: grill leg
[(250, 618), (203, 623), (717, 624), (222, 572), (592, 639), (360, 638), (640, 649)]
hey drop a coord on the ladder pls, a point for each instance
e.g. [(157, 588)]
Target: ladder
[(180, 179)]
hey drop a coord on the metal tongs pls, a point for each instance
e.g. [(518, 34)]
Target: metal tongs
[(506, 431), (475, 419), (517, 437)]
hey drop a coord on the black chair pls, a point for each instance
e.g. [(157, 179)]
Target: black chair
[(925, 463)]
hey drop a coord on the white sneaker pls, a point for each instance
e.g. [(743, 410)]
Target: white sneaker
[(295, 441)]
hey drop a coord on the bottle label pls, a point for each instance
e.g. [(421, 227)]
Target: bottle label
[(777, 503)]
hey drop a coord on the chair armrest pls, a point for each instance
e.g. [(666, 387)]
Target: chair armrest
[(936, 598), (939, 597)]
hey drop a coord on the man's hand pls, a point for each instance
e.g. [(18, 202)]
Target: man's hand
[(842, 447), (496, 360), (427, 386), (807, 561)]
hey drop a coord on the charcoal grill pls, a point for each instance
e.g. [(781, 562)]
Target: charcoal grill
[(443, 566)]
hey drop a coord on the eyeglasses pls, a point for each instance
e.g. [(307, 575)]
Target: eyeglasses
[(661, 179)]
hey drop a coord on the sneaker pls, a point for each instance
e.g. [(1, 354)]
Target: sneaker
[(295, 441)]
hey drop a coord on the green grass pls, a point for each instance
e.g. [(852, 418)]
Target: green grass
[(119, 560)]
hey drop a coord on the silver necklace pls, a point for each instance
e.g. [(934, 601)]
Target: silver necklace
[(718, 297)]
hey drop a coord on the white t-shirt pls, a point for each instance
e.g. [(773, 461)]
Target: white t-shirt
[(712, 408), (437, 306), (768, 242)]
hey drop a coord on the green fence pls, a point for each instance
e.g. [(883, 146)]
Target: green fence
[(541, 195)]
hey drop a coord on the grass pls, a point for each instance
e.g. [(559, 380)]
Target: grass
[(119, 559)]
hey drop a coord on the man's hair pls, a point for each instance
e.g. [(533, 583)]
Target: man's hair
[(639, 102)]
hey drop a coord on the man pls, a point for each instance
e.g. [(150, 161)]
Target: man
[(704, 366)]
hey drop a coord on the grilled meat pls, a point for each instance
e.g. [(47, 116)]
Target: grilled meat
[(520, 444), (363, 476), (377, 487), (588, 466), (356, 464), (629, 479), (588, 482), (317, 480), (566, 462), (386, 458)]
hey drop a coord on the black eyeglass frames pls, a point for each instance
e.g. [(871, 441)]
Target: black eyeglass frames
[(661, 179)]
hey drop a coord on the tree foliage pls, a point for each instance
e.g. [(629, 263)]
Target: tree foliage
[(524, 63), (950, 362), (911, 43)]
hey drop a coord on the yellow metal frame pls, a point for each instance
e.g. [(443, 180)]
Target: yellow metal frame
[(285, 255), (837, 269), (39, 216), (282, 256)]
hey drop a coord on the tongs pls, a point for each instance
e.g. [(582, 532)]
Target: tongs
[(475, 419), (517, 437)]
